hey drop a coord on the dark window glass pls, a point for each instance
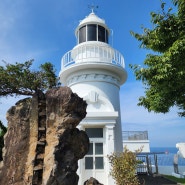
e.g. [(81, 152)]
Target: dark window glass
[(106, 36), (90, 152), (82, 34), (98, 148), (98, 162), (101, 34), (91, 32), (94, 132), (88, 162)]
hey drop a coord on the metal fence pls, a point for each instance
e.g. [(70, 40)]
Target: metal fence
[(143, 166), (135, 135)]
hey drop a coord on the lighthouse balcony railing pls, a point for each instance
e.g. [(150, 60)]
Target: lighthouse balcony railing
[(135, 135), (93, 53)]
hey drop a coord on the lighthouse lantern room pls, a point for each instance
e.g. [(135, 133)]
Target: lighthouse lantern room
[(95, 71)]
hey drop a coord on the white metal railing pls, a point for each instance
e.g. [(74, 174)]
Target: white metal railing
[(92, 53), (135, 135)]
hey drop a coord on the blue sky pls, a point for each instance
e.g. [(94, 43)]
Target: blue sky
[(44, 31)]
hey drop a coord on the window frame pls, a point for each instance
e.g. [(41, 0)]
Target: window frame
[(93, 154)]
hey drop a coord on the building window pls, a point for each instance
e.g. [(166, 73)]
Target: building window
[(94, 132), (90, 152), (98, 148), (102, 34), (82, 34), (94, 158), (98, 162), (91, 32), (88, 163)]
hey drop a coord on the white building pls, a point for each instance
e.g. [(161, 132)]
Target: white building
[(135, 140), (181, 149), (95, 71)]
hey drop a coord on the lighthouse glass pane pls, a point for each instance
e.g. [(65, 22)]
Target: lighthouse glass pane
[(91, 32), (90, 152), (101, 34), (88, 162), (98, 162), (94, 132), (106, 36), (98, 148), (82, 34)]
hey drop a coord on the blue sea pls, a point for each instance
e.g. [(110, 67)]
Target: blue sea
[(166, 159)]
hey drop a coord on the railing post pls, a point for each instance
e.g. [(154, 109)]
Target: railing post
[(156, 163)]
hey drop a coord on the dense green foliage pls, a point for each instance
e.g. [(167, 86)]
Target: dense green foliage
[(163, 73), (124, 167), (19, 79), (3, 130)]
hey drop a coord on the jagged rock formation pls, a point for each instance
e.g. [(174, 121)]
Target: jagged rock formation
[(15, 152), (63, 115), (42, 144), (92, 181)]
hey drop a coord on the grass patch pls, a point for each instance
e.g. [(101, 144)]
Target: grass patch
[(175, 179)]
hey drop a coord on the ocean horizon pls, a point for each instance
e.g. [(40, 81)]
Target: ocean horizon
[(166, 159)]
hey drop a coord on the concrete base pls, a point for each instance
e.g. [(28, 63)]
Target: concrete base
[(177, 175)]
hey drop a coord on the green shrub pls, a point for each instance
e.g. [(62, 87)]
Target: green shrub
[(124, 167)]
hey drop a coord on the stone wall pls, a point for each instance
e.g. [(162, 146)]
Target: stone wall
[(42, 144)]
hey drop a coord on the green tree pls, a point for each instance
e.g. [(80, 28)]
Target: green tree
[(163, 73), (124, 167), (19, 79), (3, 130)]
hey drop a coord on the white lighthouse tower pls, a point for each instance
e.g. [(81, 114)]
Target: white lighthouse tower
[(95, 71)]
